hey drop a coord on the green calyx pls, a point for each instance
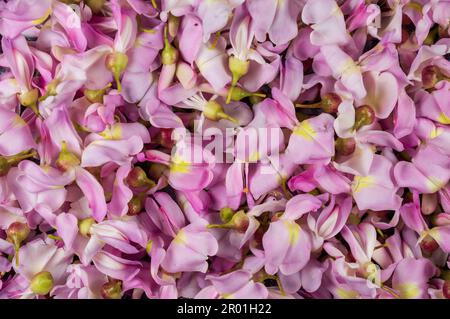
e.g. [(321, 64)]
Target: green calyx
[(112, 289), (66, 159), (169, 54), (138, 178), (135, 205), (238, 93), (329, 103), (6, 162), (345, 146), (85, 225), (213, 111), (364, 115), (16, 233), (226, 214), (96, 96), (239, 222), (30, 99), (238, 69), (42, 283), (117, 62)]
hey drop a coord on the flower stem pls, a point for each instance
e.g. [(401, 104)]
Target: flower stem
[(317, 105)]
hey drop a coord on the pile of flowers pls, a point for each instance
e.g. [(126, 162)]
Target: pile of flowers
[(224, 149)]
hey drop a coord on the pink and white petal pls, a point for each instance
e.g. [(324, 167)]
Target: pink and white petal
[(301, 204), (67, 226), (190, 37), (276, 244), (121, 194), (299, 250), (382, 92), (411, 278), (116, 267), (93, 191)]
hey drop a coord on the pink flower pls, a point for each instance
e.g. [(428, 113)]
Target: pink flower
[(379, 180), (235, 285), (327, 21), (275, 18), (287, 245), (189, 250), (411, 276)]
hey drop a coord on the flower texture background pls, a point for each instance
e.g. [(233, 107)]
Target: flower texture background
[(224, 149)]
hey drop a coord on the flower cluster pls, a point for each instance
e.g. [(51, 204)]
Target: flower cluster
[(224, 149)]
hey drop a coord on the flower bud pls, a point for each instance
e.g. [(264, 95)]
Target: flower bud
[(238, 93), (135, 205), (42, 283), (84, 226), (428, 244), (156, 170), (137, 178), (169, 54), (429, 203), (95, 96), (165, 138), (238, 222), (226, 213), (430, 76), (446, 289), (255, 99), (66, 159), (364, 115), (117, 62), (112, 289), (238, 68), (331, 102), (345, 146), (95, 5), (213, 111), (17, 232), (29, 99)]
